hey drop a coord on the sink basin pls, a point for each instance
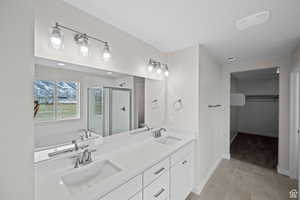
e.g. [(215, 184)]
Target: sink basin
[(83, 178), (169, 140)]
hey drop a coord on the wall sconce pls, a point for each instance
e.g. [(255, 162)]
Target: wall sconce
[(56, 37), (158, 67)]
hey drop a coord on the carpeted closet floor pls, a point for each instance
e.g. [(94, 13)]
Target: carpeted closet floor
[(255, 149)]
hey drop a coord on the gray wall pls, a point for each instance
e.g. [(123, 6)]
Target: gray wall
[(16, 116), (259, 117)]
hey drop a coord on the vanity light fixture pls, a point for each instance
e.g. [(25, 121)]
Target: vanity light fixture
[(83, 41), (150, 65), (106, 52), (277, 70), (158, 67), (56, 37), (166, 70)]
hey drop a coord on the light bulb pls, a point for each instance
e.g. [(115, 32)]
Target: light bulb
[(83, 42), (56, 37), (158, 70), (166, 73), (84, 50), (150, 68), (106, 53), (150, 65)]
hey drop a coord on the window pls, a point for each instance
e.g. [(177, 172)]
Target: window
[(56, 100)]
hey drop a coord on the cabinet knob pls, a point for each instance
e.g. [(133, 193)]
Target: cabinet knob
[(184, 162), (159, 192), (159, 171)]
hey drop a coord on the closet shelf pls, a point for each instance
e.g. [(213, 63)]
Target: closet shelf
[(261, 98)]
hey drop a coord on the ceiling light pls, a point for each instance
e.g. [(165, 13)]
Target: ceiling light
[(252, 20), (231, 59), (56, 37), (150, 65), (61, 64), (82, 41), (106, 52)]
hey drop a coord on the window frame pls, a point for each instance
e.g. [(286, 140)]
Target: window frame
[(78, 105)]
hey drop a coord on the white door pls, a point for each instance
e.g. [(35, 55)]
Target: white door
[(120, 110), (294, 125), (182, 180)]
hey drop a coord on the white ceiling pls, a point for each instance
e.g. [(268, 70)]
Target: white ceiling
[(263, 74), (175, 24)]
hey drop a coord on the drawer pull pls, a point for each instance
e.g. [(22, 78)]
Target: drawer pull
[(184, 162), (159, 171), (159, 193)]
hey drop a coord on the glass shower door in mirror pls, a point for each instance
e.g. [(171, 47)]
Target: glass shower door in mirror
[(120, 110), (95, 110), (109, 110)]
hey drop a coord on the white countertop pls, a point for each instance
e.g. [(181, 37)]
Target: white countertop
[(132, 153)]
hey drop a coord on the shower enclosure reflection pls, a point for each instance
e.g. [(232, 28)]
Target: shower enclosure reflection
[(110, 110)]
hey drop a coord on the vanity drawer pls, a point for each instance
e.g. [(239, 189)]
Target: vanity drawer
[(127, 190), (181, 153), (159, 189), (157, 170)]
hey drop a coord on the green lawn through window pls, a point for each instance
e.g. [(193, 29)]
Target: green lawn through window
[(64, 111)]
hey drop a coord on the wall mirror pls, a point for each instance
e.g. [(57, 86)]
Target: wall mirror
[(72, 102)]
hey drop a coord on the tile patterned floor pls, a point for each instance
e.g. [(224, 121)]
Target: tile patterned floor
[(237, 180)]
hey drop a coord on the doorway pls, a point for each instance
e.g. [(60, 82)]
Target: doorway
[(254, 117)]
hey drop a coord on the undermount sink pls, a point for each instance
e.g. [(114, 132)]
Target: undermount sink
[(89, 175), (169, 140)]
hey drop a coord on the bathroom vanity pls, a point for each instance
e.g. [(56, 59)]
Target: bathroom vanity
[(133, 166)]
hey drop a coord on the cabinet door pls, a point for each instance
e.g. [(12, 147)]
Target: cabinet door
[(182, 178), (126, 191)]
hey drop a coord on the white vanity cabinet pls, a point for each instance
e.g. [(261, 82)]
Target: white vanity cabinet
[(182, 178), (170, 179)]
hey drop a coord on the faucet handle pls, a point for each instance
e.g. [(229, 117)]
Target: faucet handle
[(77, 162), (75, 145)]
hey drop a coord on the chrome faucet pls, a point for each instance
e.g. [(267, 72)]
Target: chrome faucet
[(146, 126), (158, 133), (86, 133), (84, 158)]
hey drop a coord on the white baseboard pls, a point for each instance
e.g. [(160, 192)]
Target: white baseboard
[(198, 188), (283, 172), (226, 156)]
